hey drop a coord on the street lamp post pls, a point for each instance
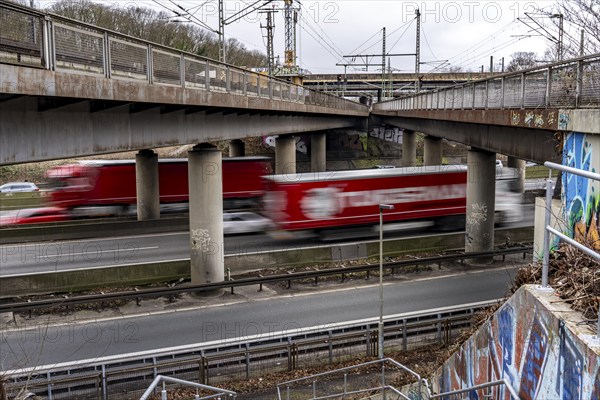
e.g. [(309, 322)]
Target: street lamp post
[(382, 207)]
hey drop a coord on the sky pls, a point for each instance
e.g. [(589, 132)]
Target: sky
[(461, 34)]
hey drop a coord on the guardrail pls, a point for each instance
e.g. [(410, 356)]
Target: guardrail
[(567, 84), (43, 40), (23, 306), (220, 362)]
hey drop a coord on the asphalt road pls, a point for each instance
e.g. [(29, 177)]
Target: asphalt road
[(42, 343)]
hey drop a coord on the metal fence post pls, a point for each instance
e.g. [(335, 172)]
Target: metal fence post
[(522, 90), (502, 88), (548, 86), (106, 56), (579, 83), (404, 335), (207, 76), (547, 234), (182, 70), (227, 79), (48, 377), (150, 65), (104, 383), (330, 340), (247, 361)]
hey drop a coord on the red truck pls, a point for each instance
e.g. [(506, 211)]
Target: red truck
[(348, 200), (107, 187)]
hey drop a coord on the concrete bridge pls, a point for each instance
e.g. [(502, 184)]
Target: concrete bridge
[(77, 89), (69, 89), (396, 84)]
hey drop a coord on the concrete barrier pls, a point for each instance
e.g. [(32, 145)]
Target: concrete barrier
[(86, 229), (15, 201), (165, 271)]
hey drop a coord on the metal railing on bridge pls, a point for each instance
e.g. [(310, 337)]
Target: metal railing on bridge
[(567, 84), (38, 39)]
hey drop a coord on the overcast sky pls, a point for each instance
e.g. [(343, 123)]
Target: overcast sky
[(463, 33)]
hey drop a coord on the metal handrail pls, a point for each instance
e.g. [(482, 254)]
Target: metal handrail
[(550, 230), (382, 361), (437, 99), (504, 382), (169, 379)]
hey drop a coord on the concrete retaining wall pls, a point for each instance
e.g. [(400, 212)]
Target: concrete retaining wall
[(537, 343)]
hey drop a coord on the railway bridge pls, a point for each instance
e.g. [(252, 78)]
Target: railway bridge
[(70, 89)]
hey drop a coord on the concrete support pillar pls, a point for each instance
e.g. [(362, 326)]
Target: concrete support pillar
[(237, 148), (318, 152), (481, 196), (432, 154), (146, 185), (285, 155), (519, 168), (409, 148), (205, 181)]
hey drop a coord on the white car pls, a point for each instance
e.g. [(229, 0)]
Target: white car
[(245, 222), (15, 187)]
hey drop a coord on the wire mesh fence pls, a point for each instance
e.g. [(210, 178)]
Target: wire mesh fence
[(21, 38), (569, 84), (78, 49)]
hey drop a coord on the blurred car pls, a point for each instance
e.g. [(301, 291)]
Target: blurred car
[(384, 166), (16, 187), (499, 164), (34, 216), (245, 222)]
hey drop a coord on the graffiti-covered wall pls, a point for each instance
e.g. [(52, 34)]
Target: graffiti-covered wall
[(542, 352), (581, 196)]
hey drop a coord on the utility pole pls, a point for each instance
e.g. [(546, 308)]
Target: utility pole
[(270, 52), (290, 34), (491, 63), (560, 36), (581, 42), (383, 66), (418, 52), (221, 32)]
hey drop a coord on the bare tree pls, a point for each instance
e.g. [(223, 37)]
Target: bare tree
[(521, 60), (158, 27)]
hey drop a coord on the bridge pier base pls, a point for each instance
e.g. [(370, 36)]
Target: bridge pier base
[(318, 152), (481, 198), (519, 166), (237, 148), (206, 214), (146, 185), (432, 154), (285, 155), (409, 148)]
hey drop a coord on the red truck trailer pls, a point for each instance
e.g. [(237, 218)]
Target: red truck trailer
[(329, 200), (108, 186)]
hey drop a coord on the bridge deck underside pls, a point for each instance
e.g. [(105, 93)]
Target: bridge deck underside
[(497, 130)]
